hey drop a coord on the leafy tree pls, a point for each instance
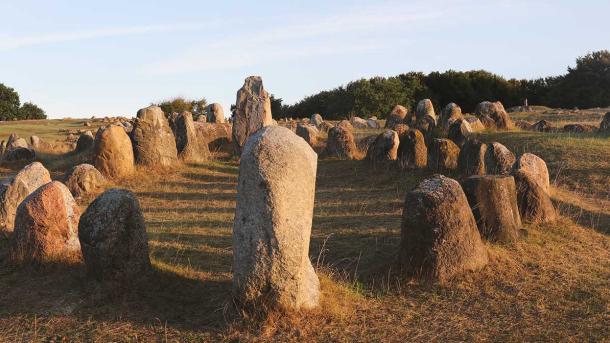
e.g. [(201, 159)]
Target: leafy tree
[(179, 104), (31, 111), (276, 107), (9, 103)]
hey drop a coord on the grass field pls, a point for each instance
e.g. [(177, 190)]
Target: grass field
[(550, 286)]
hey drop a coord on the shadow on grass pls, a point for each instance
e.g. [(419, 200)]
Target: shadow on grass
[(596, 220)]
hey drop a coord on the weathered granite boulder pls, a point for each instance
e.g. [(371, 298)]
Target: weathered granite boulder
[(190, 148), (493, 199), (412, 150), (316, 119), (113, 152), (84, 179), (85, 142), (309, 133), (604, 126), (495, 111), (439, 236), (397, 116), (113, 237), (340, 143), (359, 123), (424, 108), (459, 132), (536, 167), (215, 113), (449, 115), (273, 217), (46, 226), (498, 159), (535, 205), (14, 190), (443, 155), (252, 112), (471, 160), (384, 148), (154, 144)]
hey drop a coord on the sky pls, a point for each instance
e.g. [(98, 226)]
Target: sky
[(107, 58)]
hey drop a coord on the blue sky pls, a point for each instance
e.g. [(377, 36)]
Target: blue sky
[(84, 58)]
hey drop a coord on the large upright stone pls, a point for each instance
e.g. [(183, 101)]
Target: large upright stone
[(190, 148), (449, 115), (424, 108), (498, 159), (340, 143), (459, 132), (113, 237), (316, 119), (412, 150), (153, 139), (252, 111), (443, 155), (384, 148), (272, 227), (14, 190), (84, 179), (396, 117), (113, 152), (308, 132), (493, 200), (535, 205), (471, 160), (215, 113), (536, 167), (439, 235), (46, 226), (493, 115)]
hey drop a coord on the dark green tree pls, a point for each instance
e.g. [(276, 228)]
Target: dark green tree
[(9, 103), (31, 111)]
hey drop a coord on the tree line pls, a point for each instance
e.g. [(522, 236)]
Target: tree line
[(12, 109), (586, 85)]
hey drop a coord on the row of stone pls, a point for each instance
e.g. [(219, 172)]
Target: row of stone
[(49, 228)]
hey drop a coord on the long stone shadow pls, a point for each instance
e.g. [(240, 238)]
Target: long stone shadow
[(162, 298), (598, 221), (202, 209), (226, 179), (187, 196), (186, 223)]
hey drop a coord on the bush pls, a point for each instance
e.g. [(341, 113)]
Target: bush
[(179, 104)]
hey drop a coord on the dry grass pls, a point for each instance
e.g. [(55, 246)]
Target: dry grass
[(550, 286)]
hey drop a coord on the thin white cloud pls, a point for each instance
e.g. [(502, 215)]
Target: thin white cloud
[(294, 40), (10, 43)]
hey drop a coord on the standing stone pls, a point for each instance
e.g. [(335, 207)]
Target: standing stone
[(309, 133), (85, 142), (412, 150), (359, 123), (84, 179), (113, 152), (373, 123), (190, 148), (449, 115), (493, 200), (15, 190), (522, 124), (340, 143), (498, 159), (252, 111), (439, 236), (215, 113), (397, 116), (113, 237), (384, 148), (493, 115), (273, 217), (476, 124), (316, 119), (46, 226), (425, 109), (471, 160), (345, 124), (541, 126), (535, 205), (38, 143), (363, 144), (20, 154), (154, 142), (578, 128), (443, 155), (459, 132), (536, 167)]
